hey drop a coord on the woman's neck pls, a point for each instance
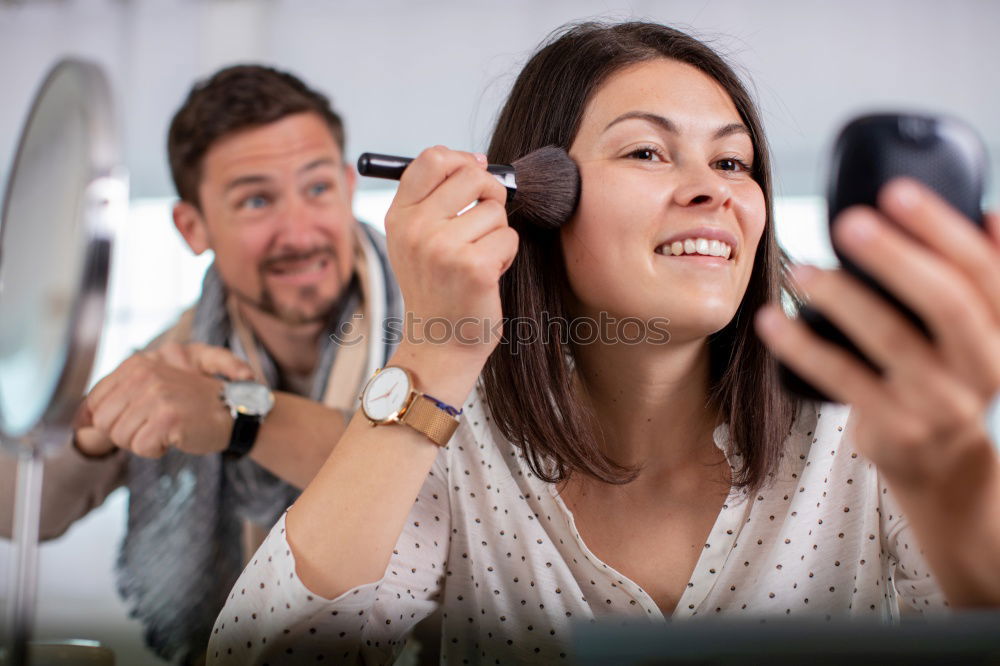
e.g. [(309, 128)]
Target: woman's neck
[(652, 403)]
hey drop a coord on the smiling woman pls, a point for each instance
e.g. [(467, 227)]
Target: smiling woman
[(654, 117), (604, 479)]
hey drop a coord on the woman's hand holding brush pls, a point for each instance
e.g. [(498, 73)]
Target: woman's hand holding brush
[(448, 266)]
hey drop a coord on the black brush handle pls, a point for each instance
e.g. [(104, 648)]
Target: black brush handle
[(376, 165), (382, 166)]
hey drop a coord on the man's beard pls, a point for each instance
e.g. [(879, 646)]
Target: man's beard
[(310, 309), (298, 315)]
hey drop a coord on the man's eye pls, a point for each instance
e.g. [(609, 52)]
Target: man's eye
[(255, 202), (319, 189)]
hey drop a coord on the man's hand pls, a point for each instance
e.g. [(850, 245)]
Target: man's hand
[(87, 439), (206, 359), (158, 399)]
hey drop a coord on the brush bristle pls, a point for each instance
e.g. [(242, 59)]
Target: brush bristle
[(548, 187)]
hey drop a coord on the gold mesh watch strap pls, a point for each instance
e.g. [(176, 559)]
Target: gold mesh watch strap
[(425, 417)]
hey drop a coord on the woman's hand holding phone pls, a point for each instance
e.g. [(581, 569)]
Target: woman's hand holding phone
[(922, 421)]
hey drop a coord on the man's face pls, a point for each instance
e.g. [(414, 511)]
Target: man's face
[(276, 210)]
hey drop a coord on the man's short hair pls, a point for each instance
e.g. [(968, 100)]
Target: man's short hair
[(236, 98)]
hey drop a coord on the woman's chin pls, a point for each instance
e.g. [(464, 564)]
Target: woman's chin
[(686, 319), (691, 326)]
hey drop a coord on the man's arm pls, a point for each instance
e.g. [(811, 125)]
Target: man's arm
[(77, 478), (170, 397), (296, 438), (72, 485)]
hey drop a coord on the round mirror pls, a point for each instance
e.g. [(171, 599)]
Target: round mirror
[(64, 192)]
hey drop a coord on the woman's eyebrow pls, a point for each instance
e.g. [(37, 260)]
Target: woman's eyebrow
[(730, 129), (664, 123), (669, 126)]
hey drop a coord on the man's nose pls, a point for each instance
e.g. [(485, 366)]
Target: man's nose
[(297, 221)]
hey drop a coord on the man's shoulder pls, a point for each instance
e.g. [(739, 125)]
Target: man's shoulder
[(375, 237), (370, 232), (179, 331)]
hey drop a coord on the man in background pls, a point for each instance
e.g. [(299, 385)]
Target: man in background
[(257, 158)]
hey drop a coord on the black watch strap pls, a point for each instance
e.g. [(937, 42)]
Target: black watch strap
[(245, 429)]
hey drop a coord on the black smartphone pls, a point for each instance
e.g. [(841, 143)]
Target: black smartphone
[(941, 152)]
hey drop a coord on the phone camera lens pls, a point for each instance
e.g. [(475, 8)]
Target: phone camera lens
[(916, 129)]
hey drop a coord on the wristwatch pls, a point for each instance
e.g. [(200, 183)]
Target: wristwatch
[(249, 403), (389, 397)]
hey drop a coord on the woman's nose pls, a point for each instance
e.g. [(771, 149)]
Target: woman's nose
[(701, 186)]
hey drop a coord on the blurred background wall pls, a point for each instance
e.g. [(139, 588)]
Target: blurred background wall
[(407, 74)]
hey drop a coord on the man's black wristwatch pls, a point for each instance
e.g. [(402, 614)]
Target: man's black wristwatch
[(249, 403)]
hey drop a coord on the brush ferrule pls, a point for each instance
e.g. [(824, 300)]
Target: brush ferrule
[(505, 174)]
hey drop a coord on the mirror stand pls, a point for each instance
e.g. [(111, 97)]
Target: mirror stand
[(24, 579)]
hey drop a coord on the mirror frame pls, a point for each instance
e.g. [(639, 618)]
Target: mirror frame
[(105, 201)]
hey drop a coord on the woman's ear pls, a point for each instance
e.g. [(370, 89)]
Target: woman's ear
[(191, 225)]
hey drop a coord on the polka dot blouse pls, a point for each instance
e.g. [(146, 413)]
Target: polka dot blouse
[(497, 550)]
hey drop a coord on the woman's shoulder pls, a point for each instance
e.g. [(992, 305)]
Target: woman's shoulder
[(819, 423), (820, 440), (815, 426), (480, 450)]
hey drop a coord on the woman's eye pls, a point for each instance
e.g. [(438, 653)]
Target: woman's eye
[(732, 164), (644, 154)]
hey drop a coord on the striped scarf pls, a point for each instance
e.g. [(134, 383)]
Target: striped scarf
[(182, 550)]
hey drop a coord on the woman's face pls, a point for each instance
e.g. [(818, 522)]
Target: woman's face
[(665, 162)]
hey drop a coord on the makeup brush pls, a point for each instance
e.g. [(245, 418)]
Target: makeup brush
[(543, 186)]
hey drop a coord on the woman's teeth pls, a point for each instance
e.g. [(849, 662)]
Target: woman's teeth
[(704, 246)]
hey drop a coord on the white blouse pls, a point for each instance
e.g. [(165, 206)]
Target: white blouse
[(497, 550)]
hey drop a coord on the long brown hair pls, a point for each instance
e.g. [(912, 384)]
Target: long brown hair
[(529, 385)]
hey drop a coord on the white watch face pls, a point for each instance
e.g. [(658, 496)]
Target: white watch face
[(386, 394), (249, 398)]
